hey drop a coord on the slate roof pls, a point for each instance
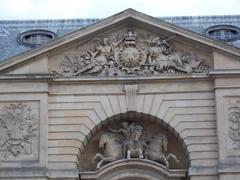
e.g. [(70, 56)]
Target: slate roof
[(10, 30)]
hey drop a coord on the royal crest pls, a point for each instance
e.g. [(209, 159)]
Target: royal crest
[(130, 54)]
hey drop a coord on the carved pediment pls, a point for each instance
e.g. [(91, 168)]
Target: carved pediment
[(116, 46), (129, 53)]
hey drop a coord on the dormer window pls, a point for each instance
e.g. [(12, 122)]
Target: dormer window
[(36, 37), (223, 33)]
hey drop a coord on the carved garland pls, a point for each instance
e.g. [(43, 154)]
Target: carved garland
[(17, 131), (130, 56), (234, 128)]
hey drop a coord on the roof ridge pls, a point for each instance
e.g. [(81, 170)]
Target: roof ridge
[(201, 16), (94, 19)]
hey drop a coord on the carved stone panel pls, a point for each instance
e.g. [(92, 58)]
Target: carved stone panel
[(129, 53), (129, 140), (234, 123), (19, 131)]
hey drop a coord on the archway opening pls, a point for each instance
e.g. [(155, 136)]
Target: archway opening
[(152, 126)]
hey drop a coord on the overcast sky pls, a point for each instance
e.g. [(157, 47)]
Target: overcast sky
[(64, 9)]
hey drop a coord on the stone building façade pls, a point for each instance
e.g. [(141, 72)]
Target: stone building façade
[(129, 97)]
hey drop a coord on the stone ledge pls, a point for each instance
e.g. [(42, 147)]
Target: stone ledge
[(63, 174), (127, 166), (181, 77), (197, 171), (25, 77), (23, 172), (229, 168), (38, 173), (225, 73)]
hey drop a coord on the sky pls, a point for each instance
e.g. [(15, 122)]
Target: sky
[(66, 9)]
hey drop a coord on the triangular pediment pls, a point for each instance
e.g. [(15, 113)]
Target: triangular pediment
[(129, 51), (128, 43)]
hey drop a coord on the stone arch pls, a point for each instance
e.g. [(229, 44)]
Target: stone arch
[(120, 116), (143, 118), (190, 116)]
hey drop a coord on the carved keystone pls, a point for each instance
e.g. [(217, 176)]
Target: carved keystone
[(131, 96)]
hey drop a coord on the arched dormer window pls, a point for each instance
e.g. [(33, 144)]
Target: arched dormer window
[(36, 37), (225, 33)]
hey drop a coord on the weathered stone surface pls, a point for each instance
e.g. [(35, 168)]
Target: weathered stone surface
[(129, 53), (170, 80), (19, 131), (234, 124)]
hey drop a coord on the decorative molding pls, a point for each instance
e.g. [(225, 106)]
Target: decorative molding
[(26, 77), (234, 127), (130, 54), (224, 72), (131, 96), (19, 131), (136, 168)]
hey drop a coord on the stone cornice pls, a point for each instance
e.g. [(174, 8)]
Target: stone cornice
[(225, 73), (134, 78), (26, 77), (100, 79)]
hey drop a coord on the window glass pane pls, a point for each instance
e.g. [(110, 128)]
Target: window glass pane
[(223, 34), (234, 32), (217, 34), (35, 38)]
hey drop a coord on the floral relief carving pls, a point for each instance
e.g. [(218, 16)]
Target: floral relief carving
[(18, 130), (130, 54), (234, 128)]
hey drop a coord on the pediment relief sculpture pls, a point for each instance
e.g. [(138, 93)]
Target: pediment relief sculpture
[(130, 142), (130, 54)]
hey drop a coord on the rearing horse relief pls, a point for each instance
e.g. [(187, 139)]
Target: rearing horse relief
[(129, 142)]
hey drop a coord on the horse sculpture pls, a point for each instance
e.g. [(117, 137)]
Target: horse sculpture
[(112, 148), (129, 142), (157, 148)]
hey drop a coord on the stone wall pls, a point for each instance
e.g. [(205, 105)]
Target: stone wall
[(55, 101), (23, 124), (78, 111)]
